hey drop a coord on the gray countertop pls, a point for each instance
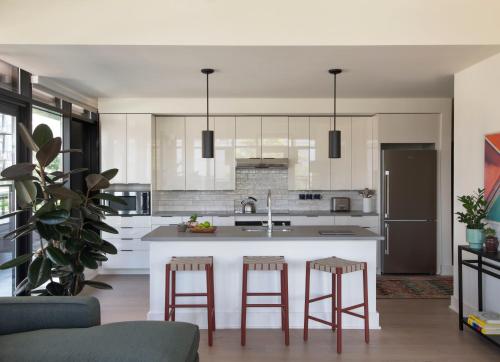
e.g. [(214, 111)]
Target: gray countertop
[(238, 233), (275, 213)]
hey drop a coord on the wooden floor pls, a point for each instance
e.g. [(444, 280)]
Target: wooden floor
[(412, 330)]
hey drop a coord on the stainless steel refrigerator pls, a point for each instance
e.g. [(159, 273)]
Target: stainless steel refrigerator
[(409, 211)]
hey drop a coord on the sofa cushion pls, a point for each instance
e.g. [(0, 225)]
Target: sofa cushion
[(125, 341)]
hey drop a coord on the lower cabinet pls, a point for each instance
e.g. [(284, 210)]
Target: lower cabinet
[(133, 254), (311, 220), (371, 223)]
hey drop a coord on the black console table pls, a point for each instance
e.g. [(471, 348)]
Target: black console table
[(483, 259)]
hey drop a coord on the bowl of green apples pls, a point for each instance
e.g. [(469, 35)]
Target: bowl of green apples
[(203, 227)]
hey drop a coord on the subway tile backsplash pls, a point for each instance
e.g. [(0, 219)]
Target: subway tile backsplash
[(250, 182)]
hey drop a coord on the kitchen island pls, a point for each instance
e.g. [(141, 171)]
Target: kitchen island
[(297, 244)]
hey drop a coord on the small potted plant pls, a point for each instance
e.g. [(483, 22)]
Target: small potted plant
[(475, 211), (367, 195), (491, 241), (193, 221)]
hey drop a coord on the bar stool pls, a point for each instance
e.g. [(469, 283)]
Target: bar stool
[(265, 263), (190, 264), (336, 267)]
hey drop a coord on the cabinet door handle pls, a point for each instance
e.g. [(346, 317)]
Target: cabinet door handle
[(127, 238), (387, 239), (387, 192), (127, 227), (126, 250)]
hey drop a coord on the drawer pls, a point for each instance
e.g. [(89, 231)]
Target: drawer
[(127, 232), (131, 221), (223, 220), (345, 220), (136, 221), (365, 221), (166, 220), (128, 259), (130, 244)]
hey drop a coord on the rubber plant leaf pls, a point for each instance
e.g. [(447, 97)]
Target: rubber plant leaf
[(42, 134)]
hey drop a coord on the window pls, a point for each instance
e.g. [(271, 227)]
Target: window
[(7, 200), (54, 121)]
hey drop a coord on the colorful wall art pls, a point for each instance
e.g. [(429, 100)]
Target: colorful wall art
[(492, 175)]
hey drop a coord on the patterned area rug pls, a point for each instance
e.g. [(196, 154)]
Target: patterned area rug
[(414, 287)]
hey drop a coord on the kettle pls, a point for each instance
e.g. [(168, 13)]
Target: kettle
[(248, 205)]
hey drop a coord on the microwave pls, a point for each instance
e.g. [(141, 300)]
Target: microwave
[(137, 202)]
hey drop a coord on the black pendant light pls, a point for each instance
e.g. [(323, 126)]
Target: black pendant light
[(207, 136), (334, 136)]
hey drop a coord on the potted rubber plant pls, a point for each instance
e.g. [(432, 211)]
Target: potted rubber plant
[(67, 221), (475, 212)]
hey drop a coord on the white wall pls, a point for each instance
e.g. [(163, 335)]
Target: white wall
[(477, 112), (257, 22), (314, 106)]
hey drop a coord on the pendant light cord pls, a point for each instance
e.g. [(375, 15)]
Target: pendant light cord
[(207, 103), (335, 102)]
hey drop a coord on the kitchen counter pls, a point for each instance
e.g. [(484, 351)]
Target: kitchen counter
[(261, 213), (228, 246), (237, 233)]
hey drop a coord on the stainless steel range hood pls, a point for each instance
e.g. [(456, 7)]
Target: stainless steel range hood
[(262, 163)]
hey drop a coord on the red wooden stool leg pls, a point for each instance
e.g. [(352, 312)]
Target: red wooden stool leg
[(306, 303), (167, 292), (244, 305), (334, 319), (284, 296), (212, 296), (339, 310), (173, 294), (209, 306), (282, 286), (365, 297)]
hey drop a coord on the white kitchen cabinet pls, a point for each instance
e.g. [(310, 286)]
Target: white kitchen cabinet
[(340, 168), (133, 253), (170, 153), (248, 137), (298, 153), (138, 143), (113, 144), (223, 221), (311, 220), (199, 170), (225, 163), (319, 163), (362, 148), (165, 221), (274, 137)]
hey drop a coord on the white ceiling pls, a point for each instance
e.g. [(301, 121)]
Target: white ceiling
[(250, 71)]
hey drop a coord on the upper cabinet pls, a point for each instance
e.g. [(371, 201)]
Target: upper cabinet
[(224, 135), (362, 151), (170, 153), (298, 153), (179, 162), (126, 145), (248, 137), (199, 170), (113, 144), (319, 163), (274, 137), (340, 168), (139, 148)]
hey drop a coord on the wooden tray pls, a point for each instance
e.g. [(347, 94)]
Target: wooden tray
[(200, 230)]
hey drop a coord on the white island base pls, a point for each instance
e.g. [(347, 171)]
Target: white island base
[(228, 281)]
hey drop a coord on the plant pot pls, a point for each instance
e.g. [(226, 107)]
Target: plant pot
[(491, 244), (367, 204), (475, 238)]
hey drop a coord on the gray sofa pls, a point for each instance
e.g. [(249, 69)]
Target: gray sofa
[(68, 329)]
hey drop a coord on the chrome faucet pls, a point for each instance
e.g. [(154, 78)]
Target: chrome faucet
[(269, 214)]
